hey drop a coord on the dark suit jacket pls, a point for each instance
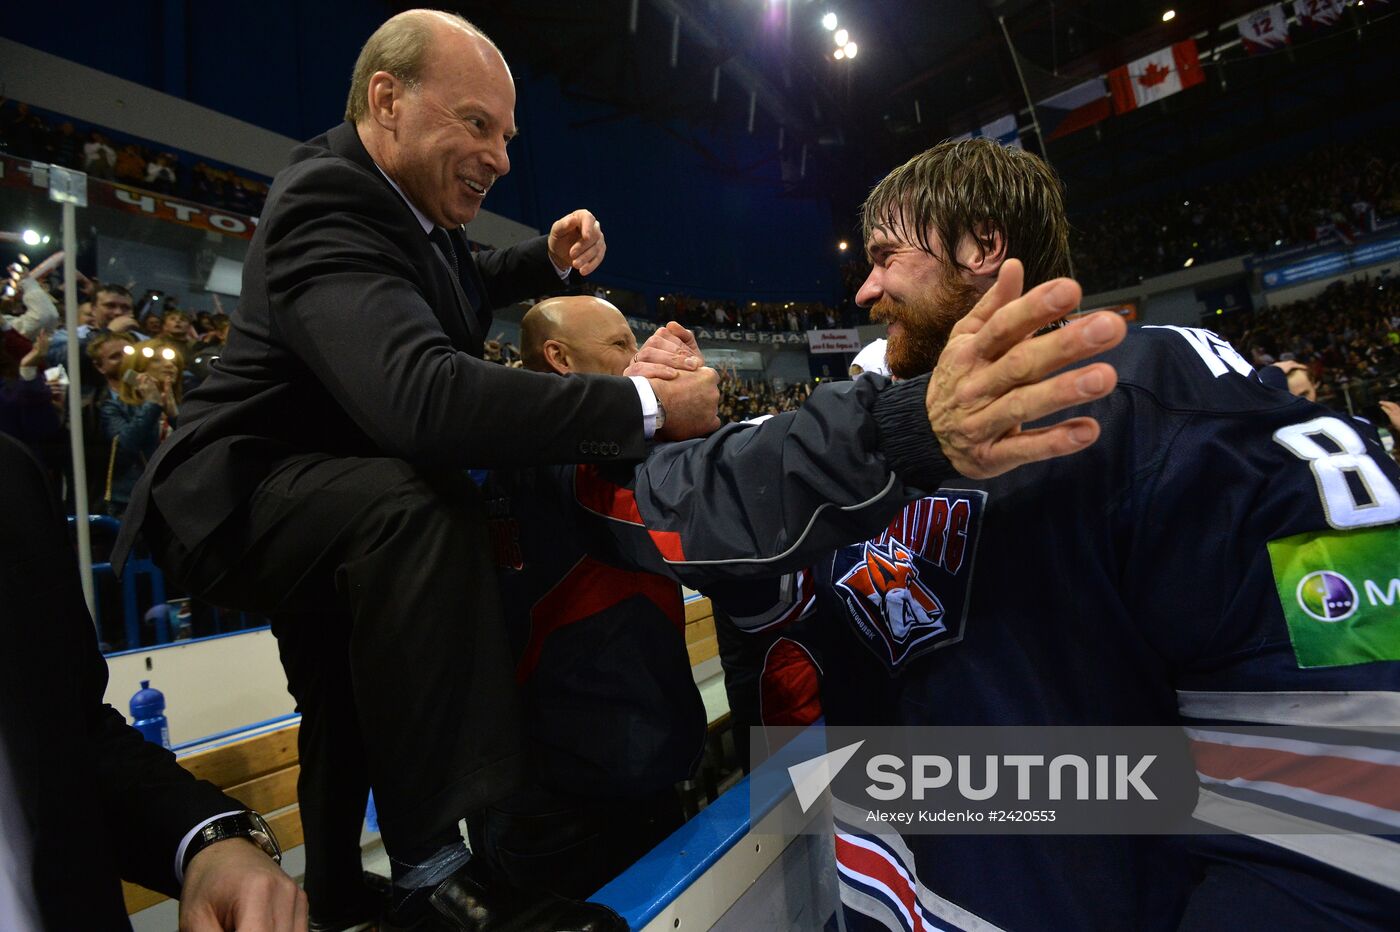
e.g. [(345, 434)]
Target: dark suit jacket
[(354, 338), (100, 801)]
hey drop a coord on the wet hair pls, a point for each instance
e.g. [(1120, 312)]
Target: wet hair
[(977, 188)]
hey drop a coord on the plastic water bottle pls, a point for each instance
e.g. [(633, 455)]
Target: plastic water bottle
[(148, 715), (183, 627)]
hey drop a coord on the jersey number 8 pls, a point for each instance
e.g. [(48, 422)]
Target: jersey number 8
[(1330, 468)]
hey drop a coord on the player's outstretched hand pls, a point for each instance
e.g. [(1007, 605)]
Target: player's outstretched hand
[(991, 379), (667, 352), (232, 885), (691, 401)]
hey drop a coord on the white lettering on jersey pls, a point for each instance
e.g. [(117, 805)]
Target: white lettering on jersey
[(1330, 469), (1218, 355)]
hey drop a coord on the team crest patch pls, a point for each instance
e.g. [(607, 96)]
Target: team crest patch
[(906, 591)]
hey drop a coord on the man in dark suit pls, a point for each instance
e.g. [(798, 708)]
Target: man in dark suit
[(84, 799), (317, 473)]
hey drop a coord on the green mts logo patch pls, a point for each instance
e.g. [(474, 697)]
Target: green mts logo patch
[(1340, 592)]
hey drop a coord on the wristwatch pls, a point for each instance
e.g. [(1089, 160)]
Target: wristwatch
[(660, 417), (246, 824)]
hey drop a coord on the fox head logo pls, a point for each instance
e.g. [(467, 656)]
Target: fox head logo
[(886, 585)]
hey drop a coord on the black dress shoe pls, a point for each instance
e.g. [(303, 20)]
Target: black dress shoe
[(464, 904), (362, 914)]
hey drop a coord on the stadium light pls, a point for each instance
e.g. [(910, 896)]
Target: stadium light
[(829, 22), (839, 54), (850, 50), (30, 237), (1189, 262), (843, 245), (842, 37), (1168, 16)]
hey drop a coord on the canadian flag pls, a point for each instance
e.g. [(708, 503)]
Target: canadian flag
[(1264, 29), (1155, 76)]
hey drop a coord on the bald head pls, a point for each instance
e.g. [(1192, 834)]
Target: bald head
[(576, 334), (400, 47), (434, 104)]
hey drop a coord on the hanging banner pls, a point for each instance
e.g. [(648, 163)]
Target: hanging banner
[(833, 341), (1319, 12), (1077, 108), (1264, 30)]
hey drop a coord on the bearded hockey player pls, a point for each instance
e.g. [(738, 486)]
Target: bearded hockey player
[(1222, 554)]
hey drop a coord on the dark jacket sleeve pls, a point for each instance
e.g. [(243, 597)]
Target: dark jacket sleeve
[(344, 299), (100, 797), (518, 273), (760, 500)]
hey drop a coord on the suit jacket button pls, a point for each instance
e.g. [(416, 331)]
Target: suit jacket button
[(613, 449), (583, 447)]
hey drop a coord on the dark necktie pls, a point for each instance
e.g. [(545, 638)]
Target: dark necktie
[(475, 324), (443, 241)]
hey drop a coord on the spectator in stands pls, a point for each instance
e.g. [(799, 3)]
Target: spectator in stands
[(160, 174), (153, 319), (26, 134), (108, 351), (112, 308), (99, 158), (31, 311), (175, 329), (66, 147), (140, 415), (27, 409), (1331, 194), (109, 310), (131, 165)]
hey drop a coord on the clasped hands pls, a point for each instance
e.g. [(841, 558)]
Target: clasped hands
[(992, 377)]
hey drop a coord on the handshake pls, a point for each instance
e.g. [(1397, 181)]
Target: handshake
[(993, 376)]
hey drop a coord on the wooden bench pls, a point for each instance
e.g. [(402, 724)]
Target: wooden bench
[(261, 773), (702, 645)]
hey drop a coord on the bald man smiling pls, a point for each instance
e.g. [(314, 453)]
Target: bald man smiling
[(584, 335)]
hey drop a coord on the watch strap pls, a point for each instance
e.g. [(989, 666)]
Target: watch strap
[(246, 824)]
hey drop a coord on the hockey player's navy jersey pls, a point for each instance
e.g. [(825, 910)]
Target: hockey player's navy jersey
[(1223, 553)]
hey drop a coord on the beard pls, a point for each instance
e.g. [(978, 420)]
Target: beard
[(925, 321)]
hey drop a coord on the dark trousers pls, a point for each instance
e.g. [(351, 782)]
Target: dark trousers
[(381, 584)]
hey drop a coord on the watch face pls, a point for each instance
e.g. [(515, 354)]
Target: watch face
[(262, 836)]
